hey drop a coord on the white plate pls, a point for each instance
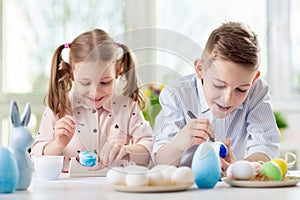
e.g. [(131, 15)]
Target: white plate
[(293, 180), (170, 188)]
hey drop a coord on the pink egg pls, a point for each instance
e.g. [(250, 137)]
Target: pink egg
[(229, 172), (257, 166)]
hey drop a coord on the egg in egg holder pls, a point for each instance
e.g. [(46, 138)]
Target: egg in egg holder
[(160, 178), (274, 173), (15, 163)]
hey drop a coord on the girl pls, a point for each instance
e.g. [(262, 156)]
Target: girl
[(91, 115)]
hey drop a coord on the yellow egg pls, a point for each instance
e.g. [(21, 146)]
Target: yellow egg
[(282, 164)]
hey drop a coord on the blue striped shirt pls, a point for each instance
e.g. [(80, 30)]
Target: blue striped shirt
[(251, 126)]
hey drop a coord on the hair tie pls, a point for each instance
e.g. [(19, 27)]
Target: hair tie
[(118, 44), (67, 45)]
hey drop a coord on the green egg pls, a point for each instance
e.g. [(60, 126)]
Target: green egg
[(272, 171)]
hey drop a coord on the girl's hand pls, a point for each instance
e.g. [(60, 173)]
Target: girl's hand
[(112, 152), (230, 158), (64, 130), (194, 133)]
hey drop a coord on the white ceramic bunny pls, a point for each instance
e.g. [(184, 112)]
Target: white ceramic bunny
[(20, 141)]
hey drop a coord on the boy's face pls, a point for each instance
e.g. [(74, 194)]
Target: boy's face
[(94, 83), (225, 85)]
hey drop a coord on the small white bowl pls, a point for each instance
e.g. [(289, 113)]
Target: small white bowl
[(48, 167)]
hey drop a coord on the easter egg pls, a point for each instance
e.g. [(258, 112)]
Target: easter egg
[(136, 180), (257, 166), (155, 177), (166, 170), (206, 166), (88, 158), (242, 170), (271, 170), (282, 164), (136, 169), (220, 149), (116, 175), (9, 174), (183, 175)]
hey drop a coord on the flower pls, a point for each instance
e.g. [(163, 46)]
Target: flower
[(151, 93)]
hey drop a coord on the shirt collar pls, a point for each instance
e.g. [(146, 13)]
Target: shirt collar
[(203, 104)]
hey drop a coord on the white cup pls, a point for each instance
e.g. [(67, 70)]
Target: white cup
[(48, 167)]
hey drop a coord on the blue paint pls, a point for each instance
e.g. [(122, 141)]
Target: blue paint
[(223, 150)]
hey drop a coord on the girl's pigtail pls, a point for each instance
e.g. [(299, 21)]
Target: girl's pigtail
[(59, 85), (127, 70)]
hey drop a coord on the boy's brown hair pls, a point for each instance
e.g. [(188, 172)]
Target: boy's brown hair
[(233, 42)]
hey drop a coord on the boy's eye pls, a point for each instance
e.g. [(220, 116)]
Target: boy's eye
[(105, 82), (219, 86), (240, 90)]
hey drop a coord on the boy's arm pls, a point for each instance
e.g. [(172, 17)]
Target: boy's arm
[(264, 138), (258, 157)]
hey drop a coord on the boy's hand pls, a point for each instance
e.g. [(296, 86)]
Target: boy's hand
[(64, 130), (230, 158), (194, 133)]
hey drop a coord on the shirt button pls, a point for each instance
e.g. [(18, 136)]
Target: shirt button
[(95, 130), (94, 111)]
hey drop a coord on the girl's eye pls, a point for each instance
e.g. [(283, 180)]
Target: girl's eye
[(85, 83)]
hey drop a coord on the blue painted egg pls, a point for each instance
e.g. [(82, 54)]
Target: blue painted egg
[(88, 158), (9, 174), (220, 149), (206, 166)]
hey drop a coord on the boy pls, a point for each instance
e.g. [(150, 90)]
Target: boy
[(228, 98)]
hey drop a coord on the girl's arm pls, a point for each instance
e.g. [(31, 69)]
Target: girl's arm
[(63, 130)]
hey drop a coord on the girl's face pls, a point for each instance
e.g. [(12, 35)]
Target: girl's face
[(225, 85), (94, 83)]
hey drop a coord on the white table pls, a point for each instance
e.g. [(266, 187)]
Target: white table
[(97, 188)]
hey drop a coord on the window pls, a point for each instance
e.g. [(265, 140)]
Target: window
[(31, 31), (195, 19), (295, 45)]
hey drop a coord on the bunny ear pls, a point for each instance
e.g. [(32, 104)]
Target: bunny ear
[(14, 114), (26, 115)]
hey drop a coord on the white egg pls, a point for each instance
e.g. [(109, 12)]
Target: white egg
[(136, 180), (243, 170), (183, 175), (166, 170), (116, 175), (155, 177), (136, 169)]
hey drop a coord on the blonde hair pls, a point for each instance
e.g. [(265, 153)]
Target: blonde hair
[(61, 78), (235, 42)]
